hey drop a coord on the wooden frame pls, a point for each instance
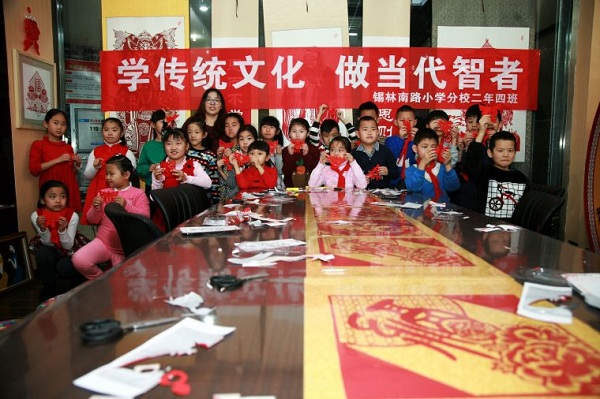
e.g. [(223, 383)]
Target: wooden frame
[(15, 263), (35, 89)]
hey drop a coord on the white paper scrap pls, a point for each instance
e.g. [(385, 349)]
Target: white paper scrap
[(256, 246), (588, 284), (207, 229), (539, 292)]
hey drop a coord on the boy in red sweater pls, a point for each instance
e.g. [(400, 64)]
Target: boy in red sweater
[(259, 175)]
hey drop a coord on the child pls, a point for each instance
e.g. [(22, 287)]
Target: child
[(487, 123), (198, 150), (499, 187), (106, 246), (375, 159), (57, 237), (153, 151), (53, 159), (401, 145), (270, 132), (299, 154), (321, 133), (428, 176), (259, 176), (227, 143), (439, 121), (178, 168), (246, 136), (343, 170), (114, 143)]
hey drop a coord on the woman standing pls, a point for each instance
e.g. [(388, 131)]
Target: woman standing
[(212, 111)]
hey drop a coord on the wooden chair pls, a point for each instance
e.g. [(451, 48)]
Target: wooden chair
[(135, 231), (535, 212), (178, 204)]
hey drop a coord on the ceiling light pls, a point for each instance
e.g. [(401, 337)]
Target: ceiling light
[(203, 8), (352, 34)]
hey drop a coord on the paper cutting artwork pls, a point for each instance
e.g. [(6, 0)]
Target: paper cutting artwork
[(36, 99), (381, 339)]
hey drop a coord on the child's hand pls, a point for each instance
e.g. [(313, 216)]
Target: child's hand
[(220, 152), (153, 166), (290, 149), (323, 158), (233, 160), (304, 149), (446, 156), (62, 224), (41, 222), (179, 175), (97, 202), (349, 157), (158, 172), (340, 114), (429, 156), (485, 122), (76, 160), (220, 163), (120, 200), (65, 157), (383, 171), (322, 109), (227, 152), (98, 163)]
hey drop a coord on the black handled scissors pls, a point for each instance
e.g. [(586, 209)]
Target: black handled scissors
[(228, 282), (101, 331)]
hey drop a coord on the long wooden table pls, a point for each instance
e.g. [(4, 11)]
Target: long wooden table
[(415, 304)]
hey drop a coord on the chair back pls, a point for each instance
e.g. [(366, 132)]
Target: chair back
[(560, 191), (135, 231), (535, 210), (180, 203)]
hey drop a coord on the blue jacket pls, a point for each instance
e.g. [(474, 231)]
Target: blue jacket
[(416, 182)]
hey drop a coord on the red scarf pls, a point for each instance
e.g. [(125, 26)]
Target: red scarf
[(169, 166), (402, 157), (341, 178), (434, 180), (52, 221)]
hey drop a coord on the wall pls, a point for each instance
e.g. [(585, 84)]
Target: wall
[(585, 101), (26, 184)]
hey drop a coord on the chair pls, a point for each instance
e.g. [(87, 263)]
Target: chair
[(135, 231), (535, 212), (560, 191), (178, 204)]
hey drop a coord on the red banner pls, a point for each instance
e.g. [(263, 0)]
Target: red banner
[(307, 77)]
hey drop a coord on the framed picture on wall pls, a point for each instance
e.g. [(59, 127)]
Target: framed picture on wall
[(15, 263), (35, 89)]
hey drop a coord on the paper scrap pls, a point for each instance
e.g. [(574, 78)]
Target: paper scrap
[(181, 339), (207, 229), (588, 284), (256, 246), (536, 292), (191, 301)]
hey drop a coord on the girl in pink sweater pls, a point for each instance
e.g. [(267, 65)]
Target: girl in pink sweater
[(107, 246), (342, 172)]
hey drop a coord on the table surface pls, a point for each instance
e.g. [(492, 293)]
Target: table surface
[(412, 303)]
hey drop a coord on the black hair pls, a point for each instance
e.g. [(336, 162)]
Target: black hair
[(501, 135), (365, 119), (237, 116), (425, 134), (406, 108), (53, 112), (259, 145), (344, 140), (47, 185), (201, 111), (328, 125), (437, 114), (175, 134), (249, 128), (158, 115), (120, 124), (272, 121), (473, 112), (369, 105), (206, 141), (124, 165)]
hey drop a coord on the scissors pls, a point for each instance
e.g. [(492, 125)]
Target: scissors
[(228, 282), (101, 331)]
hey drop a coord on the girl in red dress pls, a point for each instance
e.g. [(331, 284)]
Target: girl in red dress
[(95, 170), (53, 159)]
